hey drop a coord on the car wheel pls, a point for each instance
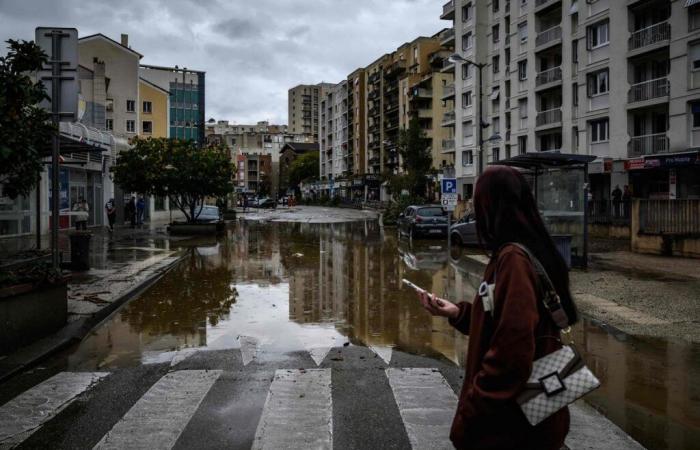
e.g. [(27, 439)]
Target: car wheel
[(457, 239)]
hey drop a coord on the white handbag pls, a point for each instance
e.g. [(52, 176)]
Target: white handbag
[(561, 377)]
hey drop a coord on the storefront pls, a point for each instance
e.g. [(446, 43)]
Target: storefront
[(675, 176)]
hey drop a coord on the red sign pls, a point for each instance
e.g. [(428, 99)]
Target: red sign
[(635, 164)]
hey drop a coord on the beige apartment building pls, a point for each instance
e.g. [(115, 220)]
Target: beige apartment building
[(619, 80), (334, 158), (303, 108)]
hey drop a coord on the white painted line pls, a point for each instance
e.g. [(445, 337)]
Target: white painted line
[(24, 414), (318, 354), (158, 418), (383, 352), (298, 412), (427, 405), (249, 349)]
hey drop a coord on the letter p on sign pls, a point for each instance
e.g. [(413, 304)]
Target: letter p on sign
[(449, 186)]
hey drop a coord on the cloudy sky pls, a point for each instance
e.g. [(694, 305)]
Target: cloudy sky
[(252, 50)]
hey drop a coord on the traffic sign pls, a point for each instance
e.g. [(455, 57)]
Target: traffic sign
[(449, 186), (449, 201)]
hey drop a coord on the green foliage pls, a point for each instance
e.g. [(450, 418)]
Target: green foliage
[(25, 130), (391, 214), (414, 148), (177, 169), (305, 167)]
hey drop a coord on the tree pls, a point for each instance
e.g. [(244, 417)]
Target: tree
[(176, 169), (303, 168), (414, 149), (25, 128)]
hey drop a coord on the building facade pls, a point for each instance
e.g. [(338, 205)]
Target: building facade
[(603, 78), (303, 108), (334, 158), (154, 103)]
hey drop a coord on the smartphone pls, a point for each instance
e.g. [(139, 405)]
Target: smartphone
[(438, 302)]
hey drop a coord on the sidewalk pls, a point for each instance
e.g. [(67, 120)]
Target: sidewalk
[(123, 264), (636, 262)]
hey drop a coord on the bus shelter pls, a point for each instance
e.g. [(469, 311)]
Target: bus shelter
[(560, 184)]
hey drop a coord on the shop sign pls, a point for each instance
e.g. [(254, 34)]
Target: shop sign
[(634, 164), (608, 166)]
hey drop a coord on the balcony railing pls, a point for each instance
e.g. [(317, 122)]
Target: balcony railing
[(448, 90), (423, 93), (547, 36), (548, 117), (548, 76), (648, 145), (648, 90), (650, 35), (448, 10), (447, 64), (448, 36), (448, 118), (448, 144)]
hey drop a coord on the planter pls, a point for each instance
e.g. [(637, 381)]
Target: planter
[(196, 229), (28, 314)]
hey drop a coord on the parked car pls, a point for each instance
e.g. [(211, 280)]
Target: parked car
[(463, 232), (421, 256), (420, 221), (209, 213), (265, 202)]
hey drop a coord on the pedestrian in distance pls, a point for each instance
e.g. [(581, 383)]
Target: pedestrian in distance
[(626, 200), (111, 210), (82, 212), (130, 212), (617, 199), (511, 330), (140, 210)]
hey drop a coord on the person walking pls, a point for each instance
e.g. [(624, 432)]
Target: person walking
[(140, 210), (82, 212), (111, 210), (511, 330), (130, 212), (617, 199), (626, 201)]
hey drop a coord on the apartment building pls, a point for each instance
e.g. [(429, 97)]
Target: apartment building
[(613, 79), (335, 159), (303, 108), (187, 99), (154, 103)]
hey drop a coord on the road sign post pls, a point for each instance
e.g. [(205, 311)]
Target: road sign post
[(449, 202)]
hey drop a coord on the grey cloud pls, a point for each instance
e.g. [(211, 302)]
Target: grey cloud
[(236, 28)]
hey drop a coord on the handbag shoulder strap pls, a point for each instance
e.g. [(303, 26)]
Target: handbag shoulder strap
[(550, 298)]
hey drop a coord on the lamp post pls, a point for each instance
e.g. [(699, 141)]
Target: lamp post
[(456, 58)]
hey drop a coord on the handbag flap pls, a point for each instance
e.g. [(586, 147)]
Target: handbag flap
[(554, 362)]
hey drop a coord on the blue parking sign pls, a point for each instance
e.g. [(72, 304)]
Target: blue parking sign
[(449, 185)]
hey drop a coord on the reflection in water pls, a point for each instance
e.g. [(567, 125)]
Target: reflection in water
[(293, 287)]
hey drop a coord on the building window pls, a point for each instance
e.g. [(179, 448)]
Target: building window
[(467, 99), (466, 12), (147, 127), (130, 126), (522, 145), (496, 125), (466, 71), (495, 5), (599, 130), (574, 94), (467, 41), (109, 124), (574, 51), (598, 83), (694, 18), (130, 106), (522, 32), (522, 70), (467, 158), (496, 154), (495, 64), (695, 111), (495, 32), (598, 35), (147, 107), (467, 130), (522, 107), (694, 54)]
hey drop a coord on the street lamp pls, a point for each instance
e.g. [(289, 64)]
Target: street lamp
[(458, 59)]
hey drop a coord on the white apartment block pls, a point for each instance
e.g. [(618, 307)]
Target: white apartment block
[(333, 136), (617, 79)]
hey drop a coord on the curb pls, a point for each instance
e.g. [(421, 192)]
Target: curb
[(74, 331)]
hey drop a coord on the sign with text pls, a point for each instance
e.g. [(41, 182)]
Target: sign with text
[(449, 186)]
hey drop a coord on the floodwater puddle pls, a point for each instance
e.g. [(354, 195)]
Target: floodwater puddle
[(273, 288)]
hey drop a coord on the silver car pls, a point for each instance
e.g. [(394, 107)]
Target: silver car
[(209, 213), (463, 232)]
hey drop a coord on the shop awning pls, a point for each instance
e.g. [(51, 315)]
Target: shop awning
[(689, 3), (546, 160), (75, 137)]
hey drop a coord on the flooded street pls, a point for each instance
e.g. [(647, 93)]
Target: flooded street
[(270, 289)]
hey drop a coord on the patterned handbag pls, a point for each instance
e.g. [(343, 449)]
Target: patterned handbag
[(561, 377)]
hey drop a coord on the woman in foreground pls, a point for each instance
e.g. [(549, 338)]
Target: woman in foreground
[(504, 342)]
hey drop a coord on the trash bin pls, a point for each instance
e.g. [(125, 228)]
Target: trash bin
[(80, 251), (563, 243)]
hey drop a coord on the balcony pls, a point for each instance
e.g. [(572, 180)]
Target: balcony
[(447, 66), (391, 125), (648, 145), (373, 111), (448, 145), (649, 36), (448, 119), (422, 93), (448, 38), (424, 113), (549, 117), (448, 10), (395, 69), (373, 94), (649, 90), (548, 36), (544, 4), (392, 106), (552, 75), (448, 91)]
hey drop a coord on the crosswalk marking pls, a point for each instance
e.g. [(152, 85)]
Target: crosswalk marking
[(249, 349), (158, 418), (298, 412), (427, 405), (318, 354), (383, 352), (23, 415)]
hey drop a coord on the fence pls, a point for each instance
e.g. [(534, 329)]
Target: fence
[(680, 217), (609, 212)]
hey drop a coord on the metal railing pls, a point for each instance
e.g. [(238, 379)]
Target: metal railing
[(448, 35), (647, 90), (448, 144), (650, 35), (648, 144), (547, 36), (448, 90), (448, 7), (447, 63), (548, 76), (548, 117), (422, 92), (669, 217), (448, 117), (609, 212)]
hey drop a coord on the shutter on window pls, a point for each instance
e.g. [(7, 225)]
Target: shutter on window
[(589, 38)]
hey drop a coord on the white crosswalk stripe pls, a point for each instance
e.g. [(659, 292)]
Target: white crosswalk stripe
[(23, 415), (427, 405), (298, 411), (159, 417)]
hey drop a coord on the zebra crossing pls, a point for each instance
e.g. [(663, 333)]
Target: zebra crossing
[(297, 412)]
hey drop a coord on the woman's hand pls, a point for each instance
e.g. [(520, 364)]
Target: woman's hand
[(438, 306)]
